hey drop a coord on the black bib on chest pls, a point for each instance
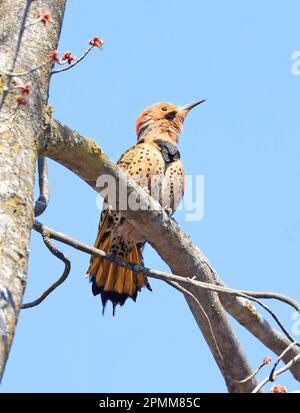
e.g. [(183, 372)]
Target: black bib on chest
[(169, 151)]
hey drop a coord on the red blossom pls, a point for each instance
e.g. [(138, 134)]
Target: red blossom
[(267, 361), (26, 88), (44, 16), (277, 388), (67, 56), (54, 55), (96, 41), (21, 100)]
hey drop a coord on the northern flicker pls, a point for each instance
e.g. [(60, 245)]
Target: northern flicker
[(153, 163)]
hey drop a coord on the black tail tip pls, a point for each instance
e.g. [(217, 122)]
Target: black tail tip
[(113, 296)]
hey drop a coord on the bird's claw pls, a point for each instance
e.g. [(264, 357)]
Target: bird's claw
[(168, 211)]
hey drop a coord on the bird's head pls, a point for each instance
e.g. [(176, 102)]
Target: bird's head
[(163, 118)]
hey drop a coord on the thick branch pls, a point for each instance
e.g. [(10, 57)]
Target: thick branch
[(85, 158), (252, 320)]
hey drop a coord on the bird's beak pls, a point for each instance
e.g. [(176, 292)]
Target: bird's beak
[(186, 108)]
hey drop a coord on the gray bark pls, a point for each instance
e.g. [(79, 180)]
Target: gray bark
[(18, 149)]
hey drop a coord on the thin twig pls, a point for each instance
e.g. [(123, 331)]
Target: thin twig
[(73, 64), (271, 312), (43, 199), (22, 74), (272, 375), (273, 295), (15, 57), (276, 373), (162, 275), (38, 20), (186, 292), (62, 278), (251, 375), (159, 274)]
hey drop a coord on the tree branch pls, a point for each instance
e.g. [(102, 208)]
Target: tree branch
[(276, 373), (254, 373), (252, 320), (43, 199), (64, 69), (272, 374), (172, 279), (84, 157), (51, 247)]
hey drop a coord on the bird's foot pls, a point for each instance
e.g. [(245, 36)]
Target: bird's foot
[(168, 211)]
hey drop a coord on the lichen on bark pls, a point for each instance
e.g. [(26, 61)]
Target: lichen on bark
[(19, 130)]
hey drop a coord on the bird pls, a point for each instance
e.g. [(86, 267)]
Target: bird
[(155, 164)]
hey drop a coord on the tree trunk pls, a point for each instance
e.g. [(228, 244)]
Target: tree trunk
[(19, 132)]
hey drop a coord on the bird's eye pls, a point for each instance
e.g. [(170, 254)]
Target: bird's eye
[(164, 108)]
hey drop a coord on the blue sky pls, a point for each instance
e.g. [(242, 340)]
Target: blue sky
[(244, 140)]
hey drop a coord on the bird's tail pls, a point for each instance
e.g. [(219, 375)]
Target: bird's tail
[(113, 282)]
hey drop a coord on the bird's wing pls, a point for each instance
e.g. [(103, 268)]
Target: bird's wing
[(140, 162)]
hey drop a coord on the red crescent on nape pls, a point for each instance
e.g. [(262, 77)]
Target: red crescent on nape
[(139, 121)]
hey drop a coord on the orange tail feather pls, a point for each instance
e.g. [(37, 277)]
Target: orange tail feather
[(113, 282)]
